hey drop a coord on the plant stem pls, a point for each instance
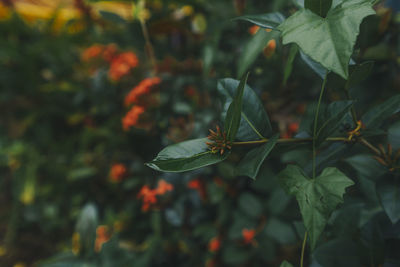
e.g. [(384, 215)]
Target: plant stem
[(370, 146), (314, 150), (148, 46), (290, 140), (362, 140), (303, 249)]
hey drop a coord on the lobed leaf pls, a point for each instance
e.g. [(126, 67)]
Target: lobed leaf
[(317, 197), (328, 40), (319, 7)]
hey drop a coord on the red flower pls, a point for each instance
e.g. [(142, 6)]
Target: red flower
[(122, 64), (214, 245), (248, 235), (163, 187), (132, 117), (149, 197), (292, 128), (270, 48), (102, 236), (91, 52), (142, 88), (117, 172)]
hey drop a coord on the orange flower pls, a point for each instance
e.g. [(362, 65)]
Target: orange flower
[(253, 29), (91, 52), (214, 245), (269, 49), (132, 117), (102, 237), (117, 172), (149, 197), (122, 64), (142, 88), (163, 187), (292, 128), (248, 235)]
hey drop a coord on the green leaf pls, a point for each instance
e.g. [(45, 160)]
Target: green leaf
[(388, 189), (268, 21), (286, 264), (234, 113), (376, 116), (186, 156), (252, 49), (338, 252), (319, 7), (317, 197), (359, 73), (329, 40), (394, 135), (251, 163), (254, 123), (289, 63), (330, 121)]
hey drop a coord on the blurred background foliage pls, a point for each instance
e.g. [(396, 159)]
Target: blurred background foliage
[(91, 90)]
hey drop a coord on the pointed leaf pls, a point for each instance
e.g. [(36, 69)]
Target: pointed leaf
[(252, 161), (388, 189), (289, 63), (186, 156), (319, 7), (268, 21), (234, 113), (317, 197), (358, 73), (329, 40), (254, 123), (330, 121), (376, 116)]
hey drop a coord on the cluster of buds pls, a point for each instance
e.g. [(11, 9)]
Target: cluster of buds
[(387, 158), (218, 143)]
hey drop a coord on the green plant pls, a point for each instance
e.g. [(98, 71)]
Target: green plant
[(325, 33)]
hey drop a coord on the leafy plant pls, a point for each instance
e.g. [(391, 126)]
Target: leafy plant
[(325, 32)]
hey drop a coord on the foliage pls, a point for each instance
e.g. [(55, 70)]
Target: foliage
[(106, 107)]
